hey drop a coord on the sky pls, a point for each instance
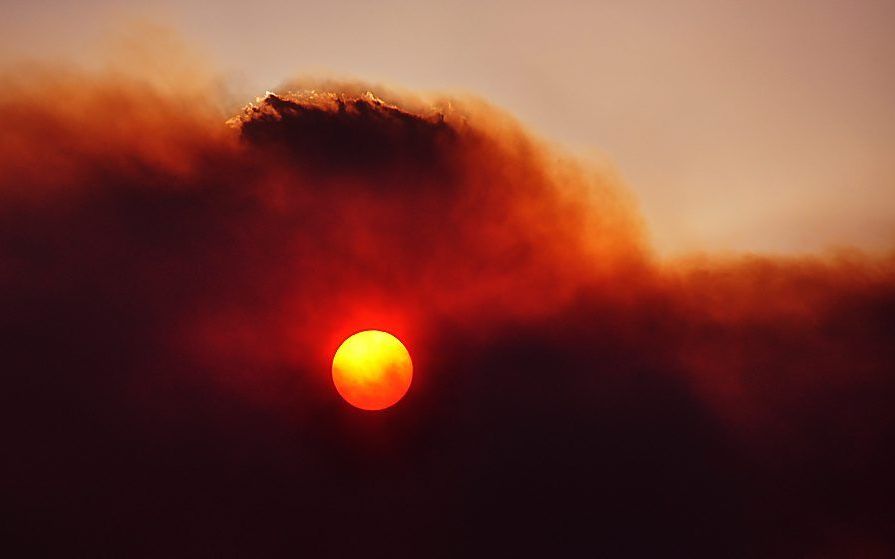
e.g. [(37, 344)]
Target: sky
[(739, 126)]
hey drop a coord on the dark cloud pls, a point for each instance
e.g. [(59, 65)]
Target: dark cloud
[(173, 288), (348, 135)]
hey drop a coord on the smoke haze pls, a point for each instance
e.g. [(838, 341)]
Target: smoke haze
[(175, 280)]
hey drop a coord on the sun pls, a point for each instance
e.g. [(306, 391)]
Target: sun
[(372, 370)]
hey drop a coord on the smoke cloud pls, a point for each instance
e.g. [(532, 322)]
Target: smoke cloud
[(173, 285)]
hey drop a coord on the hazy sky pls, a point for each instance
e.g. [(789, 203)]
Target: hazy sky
[(760, 126)]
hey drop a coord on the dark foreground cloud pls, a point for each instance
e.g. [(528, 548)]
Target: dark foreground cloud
[(172, 289)]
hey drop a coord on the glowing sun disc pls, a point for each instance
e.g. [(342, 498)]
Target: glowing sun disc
[(372, 370)]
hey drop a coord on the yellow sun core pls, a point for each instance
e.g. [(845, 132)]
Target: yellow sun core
[(372, 370)]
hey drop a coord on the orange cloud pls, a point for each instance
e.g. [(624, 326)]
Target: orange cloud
[(173, 276)]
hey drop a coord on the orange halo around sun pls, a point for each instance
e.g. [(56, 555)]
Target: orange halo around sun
[(372, 370)]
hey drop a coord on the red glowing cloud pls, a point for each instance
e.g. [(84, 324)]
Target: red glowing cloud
[(184, 283)]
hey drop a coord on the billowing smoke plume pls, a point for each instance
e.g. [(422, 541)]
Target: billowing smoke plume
[(173, 286)]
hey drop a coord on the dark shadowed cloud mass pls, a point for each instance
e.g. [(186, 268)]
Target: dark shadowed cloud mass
[(173, 287)]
